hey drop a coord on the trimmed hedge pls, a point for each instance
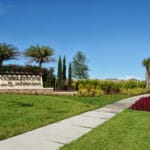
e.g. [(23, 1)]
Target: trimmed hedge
[(18, 69)]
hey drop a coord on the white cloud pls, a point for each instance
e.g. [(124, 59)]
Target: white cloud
[(129, 77)]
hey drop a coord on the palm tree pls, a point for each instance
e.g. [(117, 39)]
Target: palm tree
[(7, 52), (146, 64), (40, 54)]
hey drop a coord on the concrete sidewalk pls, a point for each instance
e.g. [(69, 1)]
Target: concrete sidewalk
[(53, 136)]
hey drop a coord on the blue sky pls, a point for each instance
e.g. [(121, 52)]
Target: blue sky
[(114, 34)]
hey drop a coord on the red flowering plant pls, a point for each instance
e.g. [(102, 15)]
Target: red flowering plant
[(142, 104)]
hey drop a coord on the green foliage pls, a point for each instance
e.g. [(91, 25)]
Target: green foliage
[(130, 84), (133, 91), (49, 78), (7, 52), (70, 77), (62, 82), (59, 75), (40, 54), (64, 78), (64, 69), (89, 90), (17, 69), (112, 87), (79, 66), (146, 63)]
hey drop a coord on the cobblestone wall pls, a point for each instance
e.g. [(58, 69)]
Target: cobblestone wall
[(43, 91)]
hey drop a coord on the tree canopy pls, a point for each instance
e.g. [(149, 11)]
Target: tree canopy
[(40, 54), (79, 66), (7, 52), (146, 63)]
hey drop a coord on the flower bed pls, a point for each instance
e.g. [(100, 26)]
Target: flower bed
[(142, 104)]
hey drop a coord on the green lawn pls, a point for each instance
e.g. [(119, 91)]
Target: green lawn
[(20, 113), (129, 130)]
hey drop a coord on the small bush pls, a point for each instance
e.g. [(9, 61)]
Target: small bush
[(98, 91), (89, 90), (142, 104), (134, 91)]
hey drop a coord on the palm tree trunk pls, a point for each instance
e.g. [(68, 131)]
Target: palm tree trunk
[(147, 78), (40, 68)]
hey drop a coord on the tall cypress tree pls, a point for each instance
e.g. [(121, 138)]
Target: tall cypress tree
[(64, 73), (59, 74), (69, 76), (64, 69)]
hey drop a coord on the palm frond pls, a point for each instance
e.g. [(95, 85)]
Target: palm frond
[(40, 54)]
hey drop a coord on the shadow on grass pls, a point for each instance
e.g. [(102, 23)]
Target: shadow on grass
[(21, 104)]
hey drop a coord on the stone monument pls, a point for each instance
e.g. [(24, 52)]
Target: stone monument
[(20, 81)]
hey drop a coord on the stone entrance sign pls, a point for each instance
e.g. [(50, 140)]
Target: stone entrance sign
[(20, 82)]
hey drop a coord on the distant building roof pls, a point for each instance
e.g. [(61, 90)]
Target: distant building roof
[(134, 79)]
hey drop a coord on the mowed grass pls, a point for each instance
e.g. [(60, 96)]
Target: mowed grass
[(129, 130), (21, 113)]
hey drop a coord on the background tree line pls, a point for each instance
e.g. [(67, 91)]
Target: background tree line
[(78, 68)]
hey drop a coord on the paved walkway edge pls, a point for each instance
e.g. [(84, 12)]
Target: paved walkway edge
[(55, 135)]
